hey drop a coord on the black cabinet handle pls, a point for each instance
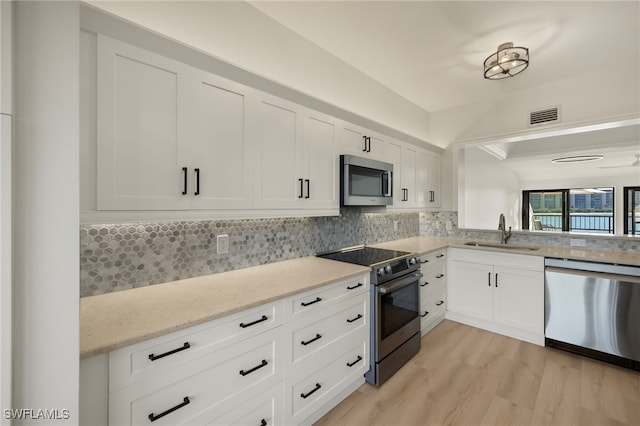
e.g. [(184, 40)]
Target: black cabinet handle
[(264, 363), (312, 391), (364, 141), (300, 181), (355, 286), (355, 319), (489, 279), (154, 417), (496, 280), (249, 324), (351, 364), (307, 181), (185, 346), (263, 422), (369, 143), (440, 255), (197, 170), (425, 314), (425, 261), (303, 343), (312, 302), (184, 175), (426, 283), (440, 303), (439, 275)]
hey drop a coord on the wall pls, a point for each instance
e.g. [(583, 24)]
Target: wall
[(46, 214), (120, 257)]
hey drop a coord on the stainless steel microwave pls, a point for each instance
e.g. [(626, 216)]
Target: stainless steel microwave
[(365, 182)]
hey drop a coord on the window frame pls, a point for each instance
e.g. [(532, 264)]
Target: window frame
[(626, 190)]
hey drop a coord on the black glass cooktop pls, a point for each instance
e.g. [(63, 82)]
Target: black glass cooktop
[(366, 256)]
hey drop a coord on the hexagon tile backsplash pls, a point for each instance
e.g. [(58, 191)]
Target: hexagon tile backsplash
[(125, 256)]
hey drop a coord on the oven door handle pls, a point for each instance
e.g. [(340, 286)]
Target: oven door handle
[(390, 288)]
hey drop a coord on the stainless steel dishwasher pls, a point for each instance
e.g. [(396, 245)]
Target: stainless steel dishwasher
[(593, 309)]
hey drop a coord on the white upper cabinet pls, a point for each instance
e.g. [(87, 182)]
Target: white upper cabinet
[(278, 183), (434, 181), (218, 154), (169, 136), (140, 129), (296, 164), (408, 190), (359, 141)]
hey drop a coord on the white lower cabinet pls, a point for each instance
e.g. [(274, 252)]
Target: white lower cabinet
[(283, 363), (433, 289), (500, 292)]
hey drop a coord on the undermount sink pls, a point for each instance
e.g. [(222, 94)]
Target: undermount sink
[(500, 246)]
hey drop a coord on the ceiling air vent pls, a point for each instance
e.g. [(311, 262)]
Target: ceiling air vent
[(549, 115)]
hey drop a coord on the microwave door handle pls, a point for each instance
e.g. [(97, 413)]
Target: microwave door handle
[(386, 184)]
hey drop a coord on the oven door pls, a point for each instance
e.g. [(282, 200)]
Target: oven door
[(397, 312)]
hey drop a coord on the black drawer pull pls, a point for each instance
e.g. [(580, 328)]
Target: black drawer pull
[(355, 319), (439, 275), (425, 314), (153, 357), (318, 299), (425, 261), (154, 417), (311, 341), (440, 255), (263, 422), (307, 395), (249, 324), (426, 283), (440, 303), (351, 364), (355, 286), (264, 363)]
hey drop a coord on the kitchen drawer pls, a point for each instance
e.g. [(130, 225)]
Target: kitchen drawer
[(204, 384), (310, 393), (432, 302), (348, 321), (431, 258), (433, 277), (156, 356), (316, 300), (265, 409)]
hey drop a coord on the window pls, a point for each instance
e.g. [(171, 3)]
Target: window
[(573, 210), (632, 210)]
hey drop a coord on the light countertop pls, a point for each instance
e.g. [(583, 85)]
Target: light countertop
[(114, 320)]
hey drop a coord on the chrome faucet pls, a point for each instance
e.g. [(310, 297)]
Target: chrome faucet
[(505, 234)]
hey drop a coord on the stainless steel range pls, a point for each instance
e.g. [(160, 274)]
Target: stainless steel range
[(395, 305)]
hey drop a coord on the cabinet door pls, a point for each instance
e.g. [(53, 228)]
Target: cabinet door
[(422, 178), (358, 141), (519, 298), (470, 289), (278, 179), (409, 168), (140, 129), (218, 150), (321, 162), (435, 180)]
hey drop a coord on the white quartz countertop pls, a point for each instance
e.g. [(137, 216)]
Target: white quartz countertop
[(426, 244), (114, 320)]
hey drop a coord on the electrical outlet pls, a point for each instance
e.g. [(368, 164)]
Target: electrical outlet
[(449, 225), (577, 242), (222, 243), (395, 226)]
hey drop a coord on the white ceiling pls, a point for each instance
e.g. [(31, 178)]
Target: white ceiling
[(431, 52)]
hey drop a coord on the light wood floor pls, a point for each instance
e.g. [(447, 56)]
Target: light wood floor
[(467, 376)]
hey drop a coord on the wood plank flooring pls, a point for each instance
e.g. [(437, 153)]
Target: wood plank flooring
[(467, 376)]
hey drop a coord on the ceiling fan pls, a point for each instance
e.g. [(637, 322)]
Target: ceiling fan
[(634, 164)]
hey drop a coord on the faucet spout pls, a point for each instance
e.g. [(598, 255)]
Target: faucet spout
[(501, 226)]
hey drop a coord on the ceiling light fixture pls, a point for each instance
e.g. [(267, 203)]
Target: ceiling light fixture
[(506, 62), (577, 158)]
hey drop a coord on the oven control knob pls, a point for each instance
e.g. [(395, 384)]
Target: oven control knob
[(388, 269), (380, 272), (412, 261)]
